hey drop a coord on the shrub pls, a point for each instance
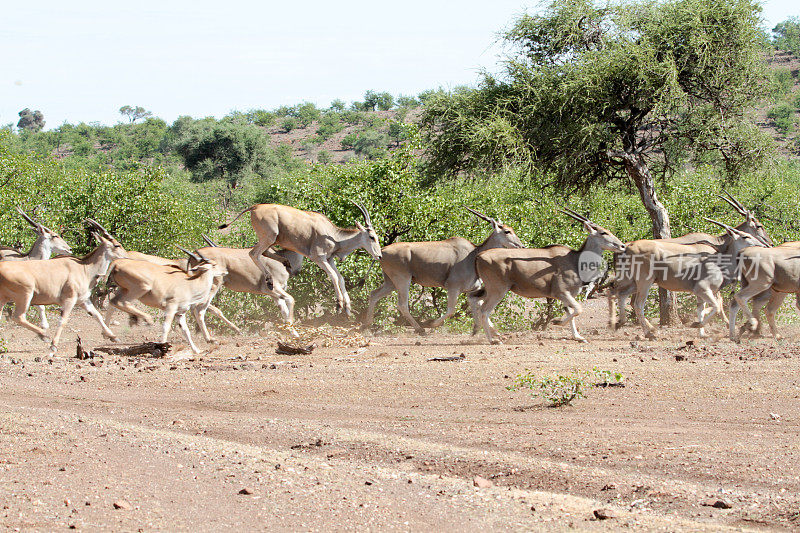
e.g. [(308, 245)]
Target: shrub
[(557, 391), (288, 124), (349, 141), (783, 116)]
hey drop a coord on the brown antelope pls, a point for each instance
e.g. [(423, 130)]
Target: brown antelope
[(63, 281), (165, 287), (624, 285), (449, 264), (552, 272), (681, 268), (767, 276), (312, 235), (243, 275), (47, 242)]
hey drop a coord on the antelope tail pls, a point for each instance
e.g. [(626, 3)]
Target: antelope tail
[(223, 226)]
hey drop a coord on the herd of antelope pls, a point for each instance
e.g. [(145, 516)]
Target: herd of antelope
[(697, 263)]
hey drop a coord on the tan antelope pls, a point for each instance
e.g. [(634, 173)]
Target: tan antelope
[(63, 281), (449, 264), (771, 298), (552, 272), (243, 275), (624, 285), (681, 268), (766, 276), (47, 242), (312, 235), (165, 287)]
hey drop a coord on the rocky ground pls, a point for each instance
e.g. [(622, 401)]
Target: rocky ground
[(704, 435)]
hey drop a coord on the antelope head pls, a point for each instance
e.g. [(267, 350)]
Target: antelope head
[(751, 224), (111, 248), (47, 237), (503, 235), (741, 239), (198, 264), (604, 238), (370, 241)]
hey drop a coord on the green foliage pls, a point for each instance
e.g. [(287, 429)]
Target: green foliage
[(562, 389), (558, 391), (134, 113), (349, 141), (782, 82), (3, 345), (288, 124), (786, 35), (338, 105), (305, 113), (136, 207), (330, 124), (407, 101), (371, 144), (30, 120), (591, 87), (784, 117), (224, 150)]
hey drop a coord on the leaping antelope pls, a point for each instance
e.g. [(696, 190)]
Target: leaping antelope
[(244, 276), (47, 242), (449, 264), (553, 272), (63, 281), (164, 287), (312, 235)]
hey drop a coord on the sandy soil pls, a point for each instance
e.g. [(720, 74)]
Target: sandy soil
[(383, 439)]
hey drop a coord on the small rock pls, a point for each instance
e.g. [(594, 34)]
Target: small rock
[(718, 503), (680, 357), (123, 505), (37, 359), (604, 514), (246, 491), (418, 343), (775, 416), (481, 482), (609, 486)]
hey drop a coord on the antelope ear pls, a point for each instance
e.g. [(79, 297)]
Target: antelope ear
[(360, 227)]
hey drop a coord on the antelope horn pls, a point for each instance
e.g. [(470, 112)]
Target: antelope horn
[(363, 212), (736, 204), (576, 216), (187, 252), (209, 241), (481, 215), (721, 224), (100, 228), (26, 217)]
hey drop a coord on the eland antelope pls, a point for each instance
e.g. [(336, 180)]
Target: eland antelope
[(312, 235), (165, 287), (552, 272), (449, 264), (63, 281), (47, 242)]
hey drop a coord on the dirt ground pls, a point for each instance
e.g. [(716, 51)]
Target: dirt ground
[(381, 438)]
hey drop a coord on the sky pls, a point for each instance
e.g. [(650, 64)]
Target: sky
[(83, 60)]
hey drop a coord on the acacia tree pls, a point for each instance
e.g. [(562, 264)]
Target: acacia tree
[(134, 113), (31, 120), (596, 93)]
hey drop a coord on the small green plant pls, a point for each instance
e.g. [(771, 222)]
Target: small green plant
[(607, 378), (561, 389), (558, 391), (3, 345)]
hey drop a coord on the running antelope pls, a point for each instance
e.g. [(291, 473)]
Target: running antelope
[(449, 264), (767, 275), (312, 235), (244, 276), (552, 272), (47, 242), (681, 268), (63, 281), (624, 285), (164, 287)]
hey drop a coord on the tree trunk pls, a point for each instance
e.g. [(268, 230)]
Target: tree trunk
[(637, 170)]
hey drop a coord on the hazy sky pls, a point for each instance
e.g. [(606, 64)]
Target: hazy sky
[(83, 60)]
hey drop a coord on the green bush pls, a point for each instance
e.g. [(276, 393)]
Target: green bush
[(288, 124), (783, 116)]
